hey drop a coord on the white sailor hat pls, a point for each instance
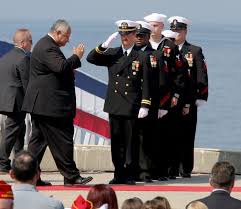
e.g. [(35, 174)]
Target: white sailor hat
[(178, 23), (169, 34), (144, 27), (155, 17), (126, 26)]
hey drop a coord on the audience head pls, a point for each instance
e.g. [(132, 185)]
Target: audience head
[(132, 203), (196, 205), (101, 194), (61, 32), (23, 39), (160, 203), (6, 196), (222, 176), (25, 168), (147, 205)]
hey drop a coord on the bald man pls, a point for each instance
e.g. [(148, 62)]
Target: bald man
[(14, 74)]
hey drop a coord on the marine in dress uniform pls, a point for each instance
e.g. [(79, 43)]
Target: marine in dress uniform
[(127, 98), (147, 125), (176, 66), (157, 22), (196, 93)]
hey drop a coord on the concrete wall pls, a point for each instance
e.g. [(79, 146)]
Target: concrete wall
[(98, 158)]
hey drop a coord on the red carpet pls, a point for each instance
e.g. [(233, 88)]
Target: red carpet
[(146, 188)]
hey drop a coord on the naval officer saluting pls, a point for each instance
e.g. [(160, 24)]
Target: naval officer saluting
[(127, 97)]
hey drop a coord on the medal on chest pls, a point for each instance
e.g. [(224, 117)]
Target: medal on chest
[(135, 67), (189, 58), (153, 61), (166, 51)]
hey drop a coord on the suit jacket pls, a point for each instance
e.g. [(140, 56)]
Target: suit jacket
[(26, 196), (221, 200), (197, 87), (128, 86), (51, 89), (14, 75)]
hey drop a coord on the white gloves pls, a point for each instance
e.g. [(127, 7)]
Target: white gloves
[(162, 112), (110, 39), (143, 112), (200, 102)]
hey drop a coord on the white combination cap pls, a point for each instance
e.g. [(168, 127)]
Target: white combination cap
[(155, 17), (178, 22), (145, 25), (126, 25), (169, 34)]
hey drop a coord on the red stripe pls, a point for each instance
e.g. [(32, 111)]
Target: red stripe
[(165, 99), (92, 123), (140, 188), (205, 90)]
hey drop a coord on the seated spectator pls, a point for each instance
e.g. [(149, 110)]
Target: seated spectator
[(157, 203), (222, 180), (196, 205), (132, 203), (6, 196), (160, 203), (101, 194), (25, 173), (147, 205)]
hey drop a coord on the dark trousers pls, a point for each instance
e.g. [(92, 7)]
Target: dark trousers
[(148, 133), (57, 133), (174, 142), (13, 137), (188, 131), (160, 148), (182, 137), (124, 146)]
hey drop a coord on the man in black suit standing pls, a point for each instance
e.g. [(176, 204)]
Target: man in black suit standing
[(14, 75), (50, 98), (195, 94), (222, 180), (127, 98)]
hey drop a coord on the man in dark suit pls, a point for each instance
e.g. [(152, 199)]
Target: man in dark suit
[(222, 180), (14, 75), (50, 98), (127, 98), (196, 94)]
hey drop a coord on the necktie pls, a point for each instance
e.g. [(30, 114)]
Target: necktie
[(125, 53)]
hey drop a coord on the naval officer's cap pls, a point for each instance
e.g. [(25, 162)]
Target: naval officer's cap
[(178, 22), (169, 34), (125, 27), (144, 28), (155, 17)]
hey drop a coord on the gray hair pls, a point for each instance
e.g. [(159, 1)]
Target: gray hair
[(21, 35), (222, 174), (60, 25)]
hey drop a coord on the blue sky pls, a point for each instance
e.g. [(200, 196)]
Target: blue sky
[(197, 11)]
